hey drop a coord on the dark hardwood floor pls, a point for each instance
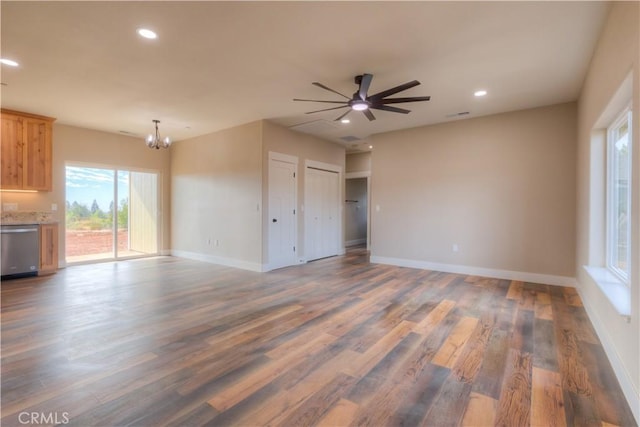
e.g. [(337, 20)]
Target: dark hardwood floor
[(168, 341)]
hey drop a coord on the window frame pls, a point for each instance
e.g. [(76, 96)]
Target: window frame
[(624, 116)]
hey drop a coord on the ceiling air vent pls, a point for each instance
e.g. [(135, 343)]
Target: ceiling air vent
[(349, 138), (462, 113)]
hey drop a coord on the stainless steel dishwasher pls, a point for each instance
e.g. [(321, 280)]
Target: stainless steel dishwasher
[(20, 250)]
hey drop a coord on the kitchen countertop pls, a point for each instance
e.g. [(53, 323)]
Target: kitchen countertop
[(26, 217)]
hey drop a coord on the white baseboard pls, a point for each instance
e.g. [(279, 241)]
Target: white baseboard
[(546, 279), (630, 393), (268, 267), (212, 259), (355, 242)]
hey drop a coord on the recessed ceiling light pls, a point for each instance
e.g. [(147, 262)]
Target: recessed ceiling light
[(345, 121), (480, 93), (370, 147), (147, 34), (9, 62)]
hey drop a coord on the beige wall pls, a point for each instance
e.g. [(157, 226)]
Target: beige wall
[(306, 147), (94, 148), (220, 190), (358, 162), (216, 183), (617, 54), (500, 187)]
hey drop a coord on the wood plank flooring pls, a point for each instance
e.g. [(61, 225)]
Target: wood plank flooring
[(336, 342)]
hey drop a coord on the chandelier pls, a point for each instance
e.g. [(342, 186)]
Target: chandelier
[(154, 141)]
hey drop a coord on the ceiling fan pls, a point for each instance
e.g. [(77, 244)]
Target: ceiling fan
[(361, 101)]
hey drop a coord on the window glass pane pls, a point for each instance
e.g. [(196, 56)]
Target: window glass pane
[(89, 214), (620, 175)]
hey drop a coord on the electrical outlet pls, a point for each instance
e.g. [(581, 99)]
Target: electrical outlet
[(455, 247), (54, 207)]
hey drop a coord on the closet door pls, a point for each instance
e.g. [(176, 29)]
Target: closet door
[(331, 208), (313, 215), (322, 209)]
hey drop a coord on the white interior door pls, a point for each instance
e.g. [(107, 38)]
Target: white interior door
[(322, 225), (331, 209), (313, 218), (282, 213)]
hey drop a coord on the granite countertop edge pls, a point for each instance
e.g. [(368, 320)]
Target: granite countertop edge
[(27, 217)]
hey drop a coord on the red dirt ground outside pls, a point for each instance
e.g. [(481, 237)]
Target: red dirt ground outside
[(84, 242)]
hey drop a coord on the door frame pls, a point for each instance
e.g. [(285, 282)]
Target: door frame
[(313, 164), (367, 175), (286, 158)]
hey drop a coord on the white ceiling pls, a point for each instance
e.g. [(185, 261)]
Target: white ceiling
[(220, 64)]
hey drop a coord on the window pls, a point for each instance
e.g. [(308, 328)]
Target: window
[(619, 196)]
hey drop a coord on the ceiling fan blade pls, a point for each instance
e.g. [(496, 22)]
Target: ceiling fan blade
[(394, 90), (365, 82), (400, 100), (343, 115), (387, 108), (319, 100), (327, 109), (329, 89), (369, 114)]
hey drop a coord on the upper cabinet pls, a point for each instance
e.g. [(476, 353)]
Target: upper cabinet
[(25, 151)]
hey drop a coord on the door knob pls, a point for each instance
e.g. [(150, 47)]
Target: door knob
[(274, 220)]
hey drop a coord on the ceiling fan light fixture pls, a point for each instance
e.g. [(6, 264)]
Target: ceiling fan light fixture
[(154, 140), (9, 62), (362, 101), (146, 33), (359, 105)]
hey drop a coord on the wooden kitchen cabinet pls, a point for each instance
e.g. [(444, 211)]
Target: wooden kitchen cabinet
[(26, 151), (48, 249)]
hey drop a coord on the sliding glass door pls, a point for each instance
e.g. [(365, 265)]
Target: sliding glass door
[(110, 213)]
